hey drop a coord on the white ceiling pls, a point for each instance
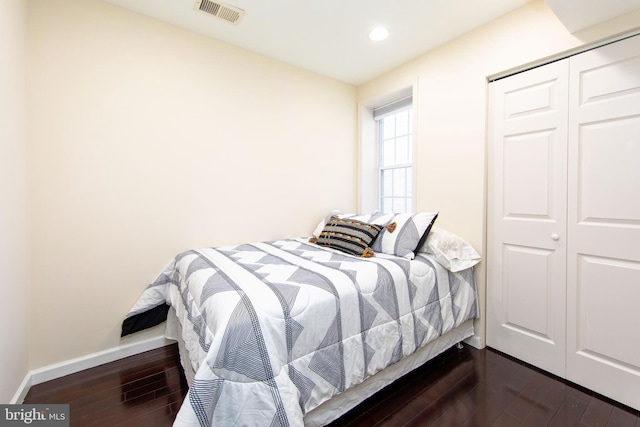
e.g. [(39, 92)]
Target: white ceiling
[(329, 37)]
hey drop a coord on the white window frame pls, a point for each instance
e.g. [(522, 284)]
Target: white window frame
[(368, 149), (402, 202)]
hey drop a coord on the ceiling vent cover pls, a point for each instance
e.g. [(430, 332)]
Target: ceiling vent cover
[(223, 11)]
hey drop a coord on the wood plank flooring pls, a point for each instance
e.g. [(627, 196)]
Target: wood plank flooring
[(467, 387), (142, 390)]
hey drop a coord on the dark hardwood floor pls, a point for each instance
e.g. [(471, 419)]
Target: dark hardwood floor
[(467, 387), (142, 390)]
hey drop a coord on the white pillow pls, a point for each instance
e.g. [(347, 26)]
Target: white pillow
[(450, 250)]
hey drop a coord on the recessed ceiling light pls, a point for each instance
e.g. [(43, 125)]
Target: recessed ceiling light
[(378, 34)]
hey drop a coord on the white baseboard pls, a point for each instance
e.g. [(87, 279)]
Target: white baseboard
[(78, 364), (22, 390)]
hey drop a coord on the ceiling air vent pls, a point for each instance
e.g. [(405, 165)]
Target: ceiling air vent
[(223, 11)]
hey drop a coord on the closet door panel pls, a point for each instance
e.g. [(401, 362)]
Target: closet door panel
[(598, 337), (527, 216), (603, 258), (527, 309)]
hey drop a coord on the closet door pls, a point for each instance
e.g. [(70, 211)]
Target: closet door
[(603, 270), (526, 257)]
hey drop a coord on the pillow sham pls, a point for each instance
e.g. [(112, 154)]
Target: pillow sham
[(450, 250), (410, 233), (349, 235)]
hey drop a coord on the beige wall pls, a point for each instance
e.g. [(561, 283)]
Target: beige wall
[(452, 108), (14, 277), (147, 140)]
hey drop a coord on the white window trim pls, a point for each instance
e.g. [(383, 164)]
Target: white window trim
[(368, 170), (400, 106)]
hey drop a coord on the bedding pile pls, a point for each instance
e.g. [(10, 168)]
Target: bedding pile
[(274, 329)]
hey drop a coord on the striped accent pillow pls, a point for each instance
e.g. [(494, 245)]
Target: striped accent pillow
[(349, 235), (371, 218), (410, 234)]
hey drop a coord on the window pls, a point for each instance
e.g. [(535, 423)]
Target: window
[(385, 178), (395, 147)]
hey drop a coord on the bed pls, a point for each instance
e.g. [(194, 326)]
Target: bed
[(298, 331)]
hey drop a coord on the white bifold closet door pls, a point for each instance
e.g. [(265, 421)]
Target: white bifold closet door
[(603, 269), (526, 229), (563, 226)]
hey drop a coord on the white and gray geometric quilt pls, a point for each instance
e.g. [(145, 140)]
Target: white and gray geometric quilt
[(274, 329)]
